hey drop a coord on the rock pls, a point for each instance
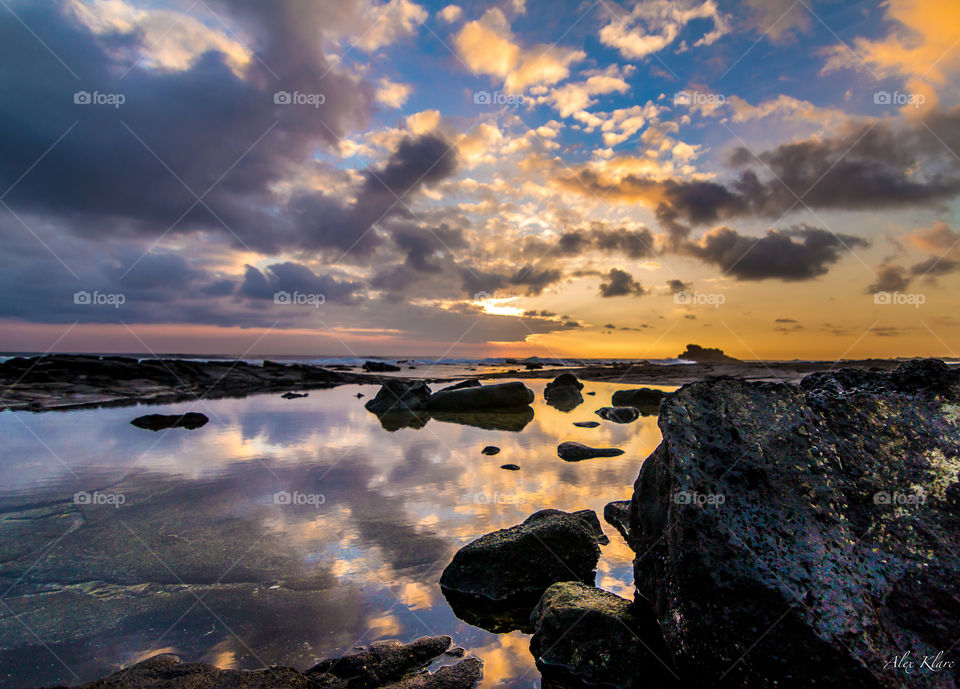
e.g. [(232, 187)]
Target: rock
[(294, 395), (593, 523), (706, 355), (619, 414), (591, 393), (359, 395), (456, 652), (379, 367), (647, 400), (586, 424), (575, 452), (533, 366), (598, 638), (617, 514), (461, 385), (510, 467), (385, 664), (158, 422), (503, 396), (399, 396), (514, 566), (563, 392), (813, 526), (490, 450)]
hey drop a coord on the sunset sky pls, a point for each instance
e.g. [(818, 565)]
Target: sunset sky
[(516, 177)]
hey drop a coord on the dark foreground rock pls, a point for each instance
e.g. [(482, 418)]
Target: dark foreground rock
[(388, 664), (576, 452), (399, 396), (807, 535), (705, 355), (646, 400), (617, 514), (158, 422), (599, 638), (563, 392), (517, 564), (380, 367), (619, 414), (589, 517), (502, 396)]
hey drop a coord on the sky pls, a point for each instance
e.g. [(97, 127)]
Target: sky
[(517, 177)]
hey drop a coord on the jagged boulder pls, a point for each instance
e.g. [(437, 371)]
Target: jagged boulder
[(400, 396), (807, 535)]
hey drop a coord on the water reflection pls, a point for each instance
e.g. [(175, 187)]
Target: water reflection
[(282, 532)]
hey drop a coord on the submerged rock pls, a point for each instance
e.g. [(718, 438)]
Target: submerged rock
[(646, 400), (809, 531), (516, 565), (586, 424), (619, 414), (399, 396), (563, 392), (294, 395), (599, 638), (503, 396), (158, 422), (490, 450), (379, 367), (575, 452), (384, 664), (510, 467)]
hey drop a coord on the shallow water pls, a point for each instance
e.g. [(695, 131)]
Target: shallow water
[(188, 543)]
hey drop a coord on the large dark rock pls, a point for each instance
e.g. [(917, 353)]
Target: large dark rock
[(617, 514), (380, 367), (158, 422), (563, 392), (387, 664), (576, 452), (646, 400), (503, 396), (599, 639), (806, 535), (400, 396), (516, 565), (706, 355), (619, 414)]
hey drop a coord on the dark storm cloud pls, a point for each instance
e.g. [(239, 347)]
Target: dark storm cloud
[(798, 253), (204, 131), (619, 284), (934, 266), (619, 241), (533, 280), (678, 286), (294, 277)]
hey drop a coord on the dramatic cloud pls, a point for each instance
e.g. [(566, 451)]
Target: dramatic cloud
[(652, 25), (620, 284)]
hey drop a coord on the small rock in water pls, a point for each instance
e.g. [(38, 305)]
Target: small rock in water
[(510, 467), (158, 422), (619, 414), (379, 367), (574, 452), (586, 424), (591, 393), (359, 395), (490, 450), (293, 395)]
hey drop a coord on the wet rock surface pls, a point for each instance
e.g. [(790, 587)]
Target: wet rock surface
[(586, 424), (501, 396), (646, 400), (61, 381), (617, 514), (577, 452), (399, 396), (619, 414), (515, 565), (158, 422), (598, 638), (806, 535), (384, 664)]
